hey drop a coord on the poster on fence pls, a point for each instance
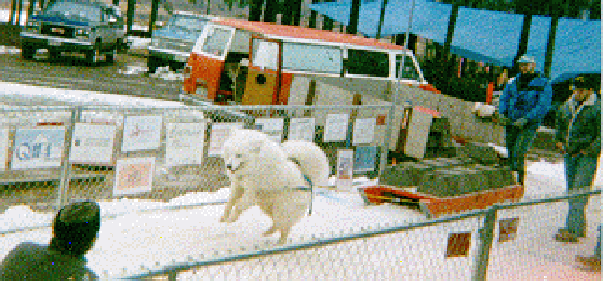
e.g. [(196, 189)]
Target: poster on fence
[(141, 132), (302, 129), (184, 143), (92, 143), (219, 133), (273, 127), (134, 175), (364, 130), (38, 147), (345, 166), (4, 148), (365, 158), (336, 127)]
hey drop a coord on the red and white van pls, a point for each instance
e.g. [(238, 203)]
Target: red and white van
[(256, 63)]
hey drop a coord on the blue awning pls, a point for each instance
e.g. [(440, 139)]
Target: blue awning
[(482, 35)]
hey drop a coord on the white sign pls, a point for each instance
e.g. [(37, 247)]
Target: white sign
[(38, 148), (336, 127), (141, 132), (364, 130), (273, 127), (345, 167), (134, 175), (219, 133), (92, 143), (184, 143), (302, 129), (3, 148)]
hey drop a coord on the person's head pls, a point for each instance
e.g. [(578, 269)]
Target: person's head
[(76, 227), (526, 64), (584, 86)]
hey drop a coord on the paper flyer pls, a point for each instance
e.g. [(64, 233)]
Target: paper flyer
[(92, 143), (364, 130), (38, 148), (336, 127), (219, 133), (273, 127), (365, 158), (141, 133), (134, 175), (302, 129), (345, 158), (184, 143)]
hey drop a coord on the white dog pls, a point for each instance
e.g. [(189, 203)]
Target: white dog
[(274, 176)]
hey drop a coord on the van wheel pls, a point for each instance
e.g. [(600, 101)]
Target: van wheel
[(27, 52), (93, 56)]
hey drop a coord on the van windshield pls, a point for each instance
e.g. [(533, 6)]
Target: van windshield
[(216, 41)]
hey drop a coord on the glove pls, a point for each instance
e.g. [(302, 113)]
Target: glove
[(520, 122), (503, 120)]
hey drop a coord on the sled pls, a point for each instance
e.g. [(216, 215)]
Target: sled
[(434, 206)]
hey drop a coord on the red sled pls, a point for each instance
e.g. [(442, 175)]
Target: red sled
[(434, 206)]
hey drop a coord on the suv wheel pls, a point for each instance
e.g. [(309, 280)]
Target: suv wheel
[(93, 56), (27, 52)]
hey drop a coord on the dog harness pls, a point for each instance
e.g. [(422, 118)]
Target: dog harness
[(304, 188)]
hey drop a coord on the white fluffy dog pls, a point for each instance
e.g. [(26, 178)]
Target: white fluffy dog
[(272, 176)]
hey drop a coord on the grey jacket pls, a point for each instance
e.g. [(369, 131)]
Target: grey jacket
[(579, 127), (30, 261)]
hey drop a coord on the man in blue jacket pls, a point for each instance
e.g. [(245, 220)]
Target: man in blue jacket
[(75, 229), (523, 104), (578, 136)]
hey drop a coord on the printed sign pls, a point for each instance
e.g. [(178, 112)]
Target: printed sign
[(92, 143), (134, 175), (365, 158), (184, 143), (38, 148), (345, 158), (336, 127), (302, 129), (219, 133), (273, 127), (141, 132), (364, 130)]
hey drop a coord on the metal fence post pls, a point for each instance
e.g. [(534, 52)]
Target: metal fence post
[(76, 113), (486, 238)]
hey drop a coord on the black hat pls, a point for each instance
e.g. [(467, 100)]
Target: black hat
[(587, 82)]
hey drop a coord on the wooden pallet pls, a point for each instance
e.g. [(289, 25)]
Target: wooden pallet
[(434, 206)]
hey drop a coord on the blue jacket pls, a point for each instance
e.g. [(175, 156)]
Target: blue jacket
[(532, 104), (579, 127)]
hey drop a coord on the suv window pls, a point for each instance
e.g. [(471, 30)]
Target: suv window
[(76, 10)]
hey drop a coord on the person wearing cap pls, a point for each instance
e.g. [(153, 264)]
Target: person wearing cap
[(75, 229), (525, 100), (578, 137)]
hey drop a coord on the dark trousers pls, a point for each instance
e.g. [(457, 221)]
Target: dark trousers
[(518, 141)]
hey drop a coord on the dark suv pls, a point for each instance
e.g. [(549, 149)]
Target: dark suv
[(91, 28)]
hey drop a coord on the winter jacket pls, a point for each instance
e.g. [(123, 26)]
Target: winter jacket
[(532, 103), (579, 127), (31, 261)]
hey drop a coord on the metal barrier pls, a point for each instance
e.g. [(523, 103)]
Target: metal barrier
[(57, 154), (382, 252)]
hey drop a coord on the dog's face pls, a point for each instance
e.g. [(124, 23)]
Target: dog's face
[(239, 157)]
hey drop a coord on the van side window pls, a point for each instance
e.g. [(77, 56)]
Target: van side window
[(216, 42), (373, 64), (312, 58), (409, 71)]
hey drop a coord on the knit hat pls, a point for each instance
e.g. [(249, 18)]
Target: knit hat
[(76, 226), (587, 82), (526, 59)]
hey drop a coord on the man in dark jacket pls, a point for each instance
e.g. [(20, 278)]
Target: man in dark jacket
[(525, 101), (75, 229), (579, 138)]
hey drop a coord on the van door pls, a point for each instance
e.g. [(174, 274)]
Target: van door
[(208, 58), (263, 75)]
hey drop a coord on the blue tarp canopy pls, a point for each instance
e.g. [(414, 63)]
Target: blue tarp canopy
[(482, 35)]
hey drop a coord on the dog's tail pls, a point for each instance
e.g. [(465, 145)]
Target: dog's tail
[(311, 159)]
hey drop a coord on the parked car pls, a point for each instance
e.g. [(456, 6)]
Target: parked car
[(91, 28), (172, 44)]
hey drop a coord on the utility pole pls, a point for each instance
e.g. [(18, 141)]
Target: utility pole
[(354, 15)]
